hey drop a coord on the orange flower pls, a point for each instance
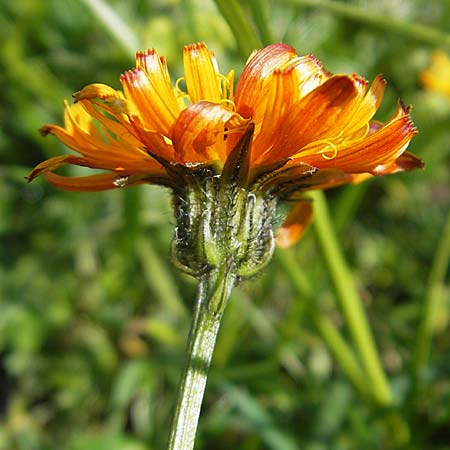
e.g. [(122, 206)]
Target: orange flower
[(301, 114), (303, 128)]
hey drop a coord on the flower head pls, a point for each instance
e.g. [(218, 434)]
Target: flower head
[(289, 126), (301, 114)]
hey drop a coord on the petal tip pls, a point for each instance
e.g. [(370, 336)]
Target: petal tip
[(45, 130)]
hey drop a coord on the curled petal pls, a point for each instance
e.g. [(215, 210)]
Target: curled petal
[(199, 133), (310, 73), (295, 224), (53, 163), (97, 90), (75, 118), (258, 69), (115, 101)]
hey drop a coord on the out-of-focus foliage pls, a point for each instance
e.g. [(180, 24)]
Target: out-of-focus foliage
[(93, 318)]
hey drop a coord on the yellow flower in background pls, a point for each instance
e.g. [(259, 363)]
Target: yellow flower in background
[(437, 76)]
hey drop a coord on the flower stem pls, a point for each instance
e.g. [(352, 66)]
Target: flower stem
[(114, 24), (433, 302), (240, 25), (350, 301), (414, 31), (261, 10), (213, 292), (330, 334)]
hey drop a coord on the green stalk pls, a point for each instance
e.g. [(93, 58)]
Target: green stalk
[(337, 345), (213, 292), (113, 23), (350, 301), (241, 27), (433, 298), (260, 10), (159, 277), (413, 31), (345, 206)]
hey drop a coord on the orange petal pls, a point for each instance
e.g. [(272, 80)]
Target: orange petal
[(97, 90), (294, 225), (155, 102), (113, 101), (406, 161), (277, 98), (199, 133), (121, 129), (377, 151), (259, 67), (91, 183), (310, 73), (157, 72), (79, 130), (201, 74), (368, 106), (54, 163), (105, 151), (131, 133), (321, 114)]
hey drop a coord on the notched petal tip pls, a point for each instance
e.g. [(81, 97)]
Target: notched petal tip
[(195, 47), (359, 81), (142, 54)]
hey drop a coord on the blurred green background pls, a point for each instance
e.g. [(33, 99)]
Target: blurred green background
[(93, 317)]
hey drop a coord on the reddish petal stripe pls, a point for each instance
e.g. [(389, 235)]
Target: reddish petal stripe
[(276, 100)]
